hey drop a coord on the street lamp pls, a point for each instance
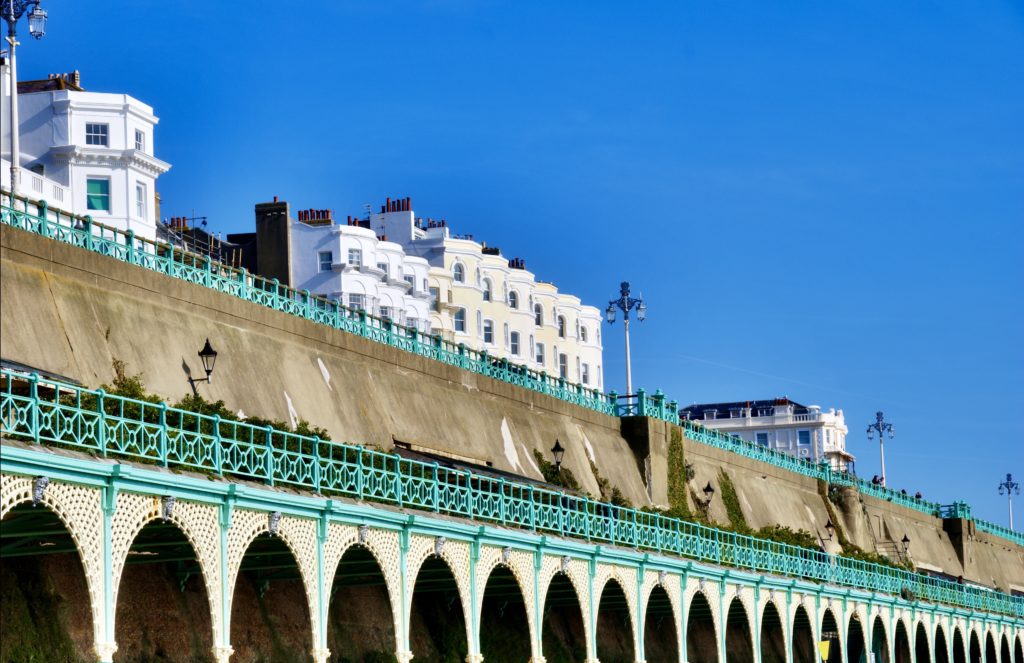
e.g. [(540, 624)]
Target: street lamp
[(558, 451), (12, 12), (625, 303), (1010, 488), (830, 528), (906, 544), (882, 429), (709, 492), (209, 357)]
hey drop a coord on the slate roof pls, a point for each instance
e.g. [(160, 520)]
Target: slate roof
[(696, 411)]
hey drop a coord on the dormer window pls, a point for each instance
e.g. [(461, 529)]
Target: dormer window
[(97, 134)]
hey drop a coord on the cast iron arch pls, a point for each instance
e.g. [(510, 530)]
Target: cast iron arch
[(991, 654), (830, 632), (959, 648), (437, 623), (901, 644), (563, 634), (922, 651), (773, 636), (856, 646), (879, 640), (1004, 651), (613, 635), (940, 647), (974, 651), (660, 636), (358, 597), (738, 646), (504, 624)]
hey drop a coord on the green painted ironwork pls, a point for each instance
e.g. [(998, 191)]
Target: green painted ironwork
[(201, 270), (51, 412)]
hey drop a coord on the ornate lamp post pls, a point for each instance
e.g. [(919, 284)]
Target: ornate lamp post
[(12, 12), (882, 429), (558, 451), (209, 357), (1010, 488), (625, 303)]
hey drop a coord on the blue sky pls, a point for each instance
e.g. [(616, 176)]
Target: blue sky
[(817, 200)]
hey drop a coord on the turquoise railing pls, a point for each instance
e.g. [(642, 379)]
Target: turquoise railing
[(194, 268), (52, 412), (999, 530), (198, 269)]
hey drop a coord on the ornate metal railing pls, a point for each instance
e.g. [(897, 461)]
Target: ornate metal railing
[(54, 413), (83, 232), (198, 269)]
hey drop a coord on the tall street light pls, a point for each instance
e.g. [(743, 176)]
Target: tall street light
[(882, 429), (1010, 488), (625, 303), (13, 10)]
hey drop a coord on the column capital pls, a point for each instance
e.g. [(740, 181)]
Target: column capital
[(321, 655), (403, 656), (222, 653), (105, 651), (474, 658)]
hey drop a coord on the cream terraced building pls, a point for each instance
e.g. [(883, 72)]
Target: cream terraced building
[(493, 304)]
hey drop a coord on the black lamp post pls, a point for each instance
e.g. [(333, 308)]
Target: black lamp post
[(906, 544), (709, 492), (12, 11), (558, 451), (209, 357), (830, 528)]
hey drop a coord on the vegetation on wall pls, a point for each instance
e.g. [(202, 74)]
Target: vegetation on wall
[(679, 476), (732, 504), (556, 477)]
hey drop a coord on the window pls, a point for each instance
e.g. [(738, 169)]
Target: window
[(355, 257), (435, 299), (387, 312), (538, 315), (803, 437), (459, 273), (383, 267), (411, 280), (513, 300), (479, 324), (460, 320), (412, 322), (514, 344), (585, 374), (97, 192), (140, 140), (325, 258), (563, 366), (561, 326), (97, 134), (540, 353), (487, 290), (489, 332), (761, 439), (583, 334), (140, 200), (357, 302)]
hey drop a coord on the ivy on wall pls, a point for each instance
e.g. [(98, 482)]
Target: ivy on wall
[(732, 504)]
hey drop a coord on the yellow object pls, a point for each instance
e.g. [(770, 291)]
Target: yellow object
[(823, 648)]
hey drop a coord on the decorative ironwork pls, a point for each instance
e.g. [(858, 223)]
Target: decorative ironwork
[(166, 507), (273, 522), (363, 531), (439, 545), (39, 485)]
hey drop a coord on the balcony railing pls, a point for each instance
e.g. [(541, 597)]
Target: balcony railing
[(55, 413)]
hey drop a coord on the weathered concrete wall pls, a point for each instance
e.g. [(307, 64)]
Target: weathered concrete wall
[(72, 312)]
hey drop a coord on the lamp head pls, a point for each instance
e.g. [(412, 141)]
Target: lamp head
[(906, 542), (209, 357), (609, 313), (830, 528), (37, 21), (558, 451), (709, 491), (641, 311)]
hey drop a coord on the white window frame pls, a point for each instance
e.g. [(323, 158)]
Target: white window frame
[(488, 290), (357, 301), (514, 343), (488, 332), (355, 257), (539, 357), (110, 194), (324, 265), (513, 300), (140, 140), (456, 320), (538, 315), (97, 134), (458, 273), (141, 207), (585, 373)]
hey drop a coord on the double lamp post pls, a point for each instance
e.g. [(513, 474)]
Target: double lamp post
[(12, 11)]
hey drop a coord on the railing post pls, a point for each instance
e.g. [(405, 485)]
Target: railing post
[(399, 496), (641, 402), (306, 308), (243, 291), (270, 456), (316, 462), (100, 394), (129, 239), (42, 212), (533, 510), (277, 292), (87, 228), (33, 381), (435, 492), (360, 452), (163, 434), (218, 444), (501, 502)]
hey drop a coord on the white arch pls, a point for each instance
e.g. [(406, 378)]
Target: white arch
[(671, 588), (578, 573), (80, 509), (520, 563), (455, 555)]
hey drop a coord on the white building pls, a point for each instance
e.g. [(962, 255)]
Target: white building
[(803, 431), (493, 304), (89, 153), (354, 266)]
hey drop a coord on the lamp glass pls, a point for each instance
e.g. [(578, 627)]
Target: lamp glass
[(641, 311), (609, 314), (558, 451), (37, 22), (209, 357)]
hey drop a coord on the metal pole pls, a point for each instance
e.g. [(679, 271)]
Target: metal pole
[(629, 370), (1009, 502), (13, 71), (881, 447)]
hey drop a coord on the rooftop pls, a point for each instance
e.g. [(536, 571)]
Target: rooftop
[(71, 81)]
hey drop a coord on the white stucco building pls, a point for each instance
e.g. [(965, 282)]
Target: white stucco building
[(489, 302), (354, 266), (804, 431), (85, 152)]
